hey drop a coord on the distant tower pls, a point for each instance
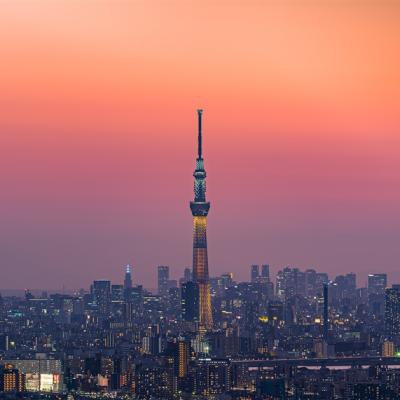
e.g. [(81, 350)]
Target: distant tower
[(187, 274), (326, 314), (163, 278), (189, 301), (265, 271), (101, 293), (377, 284), (200, 209), (254, 273), (392, 311), (128, 277)]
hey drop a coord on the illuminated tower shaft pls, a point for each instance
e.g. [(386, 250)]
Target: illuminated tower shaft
[(200, 209)]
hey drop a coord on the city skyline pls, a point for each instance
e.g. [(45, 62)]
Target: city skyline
[(302, 125), (117, 282)]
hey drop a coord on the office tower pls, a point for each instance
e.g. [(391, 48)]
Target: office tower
[(128, 277), (227, 279), (187, 275), (117, 293), (344, 287), (311, 282), (152, 341), (290, 282), (275, 312), (174, 301), (376, 293), (179, 350), (163, 278), (254, 273), (190, 301), (265, 271), (101, 293), (135, 302), (200, 208), (172, 284), (326, 312), (392, 311), (351, 280), (183, 358), (321, 279), (377, 283)]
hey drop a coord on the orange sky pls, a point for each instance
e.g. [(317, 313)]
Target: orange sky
[(98, 129)]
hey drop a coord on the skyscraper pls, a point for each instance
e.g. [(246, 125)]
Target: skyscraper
[(326, 312), (128, 277), (163, 278), (290, 282), (392, 311), (377, 283), (199, 208), (254, 272), (187, 275), (190, 301), (265, 271), (101, 292), (376, 293)]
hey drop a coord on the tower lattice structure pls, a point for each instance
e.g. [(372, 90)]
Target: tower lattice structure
[(200, 208)]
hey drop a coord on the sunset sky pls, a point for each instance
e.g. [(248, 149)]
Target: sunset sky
[(98, 127)]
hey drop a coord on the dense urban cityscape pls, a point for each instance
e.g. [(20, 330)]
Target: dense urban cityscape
[(308, 336)]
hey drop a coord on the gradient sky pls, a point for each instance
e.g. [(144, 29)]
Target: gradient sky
[(98, 137)]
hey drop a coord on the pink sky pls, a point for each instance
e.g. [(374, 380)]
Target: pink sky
[(98, 127)]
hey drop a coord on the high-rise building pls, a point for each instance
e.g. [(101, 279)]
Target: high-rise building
[(377, 283), (388, 349), (135, 302), (265, 271), (344, 287), (101, 292), (290, 282), (320, 280), (326, 312), (376, 293), (392, 311), (11, 380), (187, 274), (163, 278), (117, 293), (128, 277), (200, 208), (183, 354), (254, 272), (190, 301), (227, 279)]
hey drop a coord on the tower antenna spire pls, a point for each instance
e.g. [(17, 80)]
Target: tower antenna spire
[(199, 148)]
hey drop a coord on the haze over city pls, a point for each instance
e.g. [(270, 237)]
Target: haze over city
[(98, 127)]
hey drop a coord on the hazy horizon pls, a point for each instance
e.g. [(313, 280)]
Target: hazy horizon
[(98, 131)]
